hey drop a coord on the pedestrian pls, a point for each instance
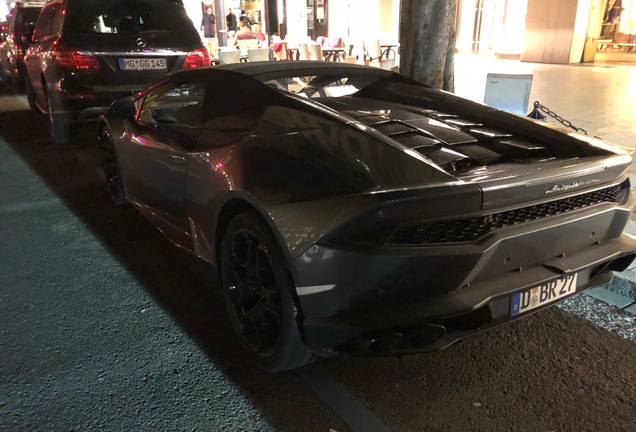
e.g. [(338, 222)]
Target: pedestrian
[(262, 37), (244, 32), (230, 19), (245, 17), (208, 23)]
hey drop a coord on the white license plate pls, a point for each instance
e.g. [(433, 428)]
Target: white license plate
[(136, 64), (543, 294)]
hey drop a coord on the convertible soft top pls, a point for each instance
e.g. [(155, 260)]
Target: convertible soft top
[(301, 67), (268, 70), (242, 85)]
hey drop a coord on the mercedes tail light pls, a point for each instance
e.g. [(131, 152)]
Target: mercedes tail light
[(72, 59), (197, 58)]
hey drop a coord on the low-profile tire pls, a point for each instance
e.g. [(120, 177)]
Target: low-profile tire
[(258, 288), (59, 125), (112, 173)]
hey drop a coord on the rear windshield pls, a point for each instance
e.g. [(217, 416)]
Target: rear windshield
[(29, 16), (320, 86), (128, 17)]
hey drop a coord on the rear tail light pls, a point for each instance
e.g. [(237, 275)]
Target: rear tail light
[(72, 59), (197, 58), (19, 54), (398, 223)]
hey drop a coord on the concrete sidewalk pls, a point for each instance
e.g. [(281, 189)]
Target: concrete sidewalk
[(598, 98)]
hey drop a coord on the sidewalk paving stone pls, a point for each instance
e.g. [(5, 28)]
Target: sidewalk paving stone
[(610, 297)]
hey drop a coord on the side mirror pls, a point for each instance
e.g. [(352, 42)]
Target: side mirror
[(123, 108)]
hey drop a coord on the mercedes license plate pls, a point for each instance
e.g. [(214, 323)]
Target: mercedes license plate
[(141, 64), (543, 294)]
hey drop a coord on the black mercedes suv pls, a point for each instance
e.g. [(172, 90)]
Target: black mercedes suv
[(87, 53), (20, 24)]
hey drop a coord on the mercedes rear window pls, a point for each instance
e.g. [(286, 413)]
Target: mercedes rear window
[(29, 17), (128, 17)]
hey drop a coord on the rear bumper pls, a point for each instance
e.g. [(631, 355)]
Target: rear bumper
[(427, 298), (438, 322), (89, 106), (80, 103)]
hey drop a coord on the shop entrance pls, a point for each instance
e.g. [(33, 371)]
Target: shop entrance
[(612, 32), (479, 20), (486, 26), (619, 21)]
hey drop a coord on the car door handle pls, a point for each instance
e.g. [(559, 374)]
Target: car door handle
[(176, 159)]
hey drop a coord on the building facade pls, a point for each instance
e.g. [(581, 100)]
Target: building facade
[(546, 31)]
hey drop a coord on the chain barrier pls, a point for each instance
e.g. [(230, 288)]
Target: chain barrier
[(535, 114)]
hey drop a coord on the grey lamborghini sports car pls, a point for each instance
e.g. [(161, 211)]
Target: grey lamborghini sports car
[(352, 211)]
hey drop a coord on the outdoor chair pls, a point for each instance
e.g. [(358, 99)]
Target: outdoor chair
[(228, 57), (247, 44), (258, 54), (372, 51), (303, 51), (315, 51)]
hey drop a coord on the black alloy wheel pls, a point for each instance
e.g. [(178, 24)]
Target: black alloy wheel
[(258, 293), (111, 169)]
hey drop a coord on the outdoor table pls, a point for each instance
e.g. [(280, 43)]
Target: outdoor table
[(334, 54), (387, 49), (293, 53)]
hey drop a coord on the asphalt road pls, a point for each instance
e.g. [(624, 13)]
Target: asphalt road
[(105, 326)]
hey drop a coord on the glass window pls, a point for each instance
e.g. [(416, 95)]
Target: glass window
[(49, 22), (244, 120), (627, 20), (322, 86), (12, 22), (28, 18), (280, 120), (129, 17), (180, 105)]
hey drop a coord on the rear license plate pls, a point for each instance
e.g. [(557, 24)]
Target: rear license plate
[(137, 64), (543, 294)]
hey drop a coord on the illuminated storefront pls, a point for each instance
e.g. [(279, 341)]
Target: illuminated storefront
[(302, 19), (619, 21), (612, 31), (546, 31), (4, 11)]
